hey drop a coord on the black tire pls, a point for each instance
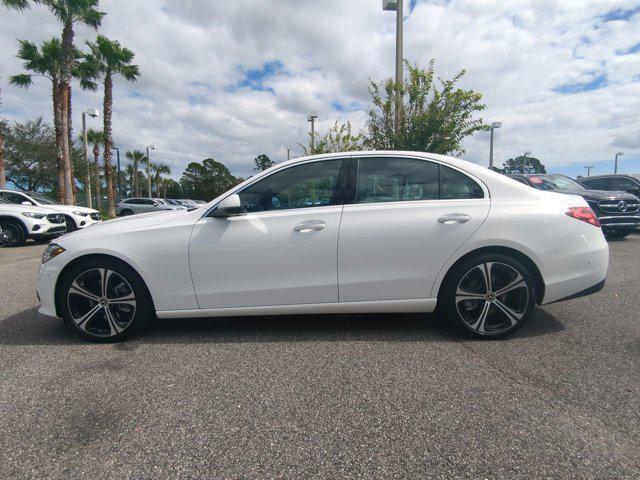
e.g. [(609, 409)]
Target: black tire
[(12, 233), (125, 320), (126, 212), (71, 225), (505, 313), (618, 233)]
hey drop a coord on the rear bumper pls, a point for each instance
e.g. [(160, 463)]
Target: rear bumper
[(583, 293)]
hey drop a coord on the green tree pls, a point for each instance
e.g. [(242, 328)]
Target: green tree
[(435, 115), (68, 13), (3, 126), (137, 158), (157, 170), (339, 138), (262, 162), (109, 58), (523, 164), (29, 162), (172, 189), (47, 61), (206, 180)]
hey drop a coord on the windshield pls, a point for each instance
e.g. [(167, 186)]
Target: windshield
[(42, 199), (3, 200), (554, 182)]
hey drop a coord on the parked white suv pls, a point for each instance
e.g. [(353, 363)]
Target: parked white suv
[(75, 217), (19, 222)]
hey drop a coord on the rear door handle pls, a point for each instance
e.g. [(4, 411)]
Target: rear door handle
[(451, 218), (310, 226)]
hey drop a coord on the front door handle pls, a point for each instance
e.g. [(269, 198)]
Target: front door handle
[(451, 218), (310, 226)]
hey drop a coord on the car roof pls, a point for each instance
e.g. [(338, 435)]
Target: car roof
[(604, 175)]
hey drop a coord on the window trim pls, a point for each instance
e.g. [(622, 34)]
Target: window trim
[(341, 184), (352, 188)]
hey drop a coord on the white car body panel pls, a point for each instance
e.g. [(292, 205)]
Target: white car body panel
[(235, 266), (43, 225)]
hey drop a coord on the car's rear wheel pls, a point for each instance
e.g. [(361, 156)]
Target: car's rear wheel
[(489, 296), (11, 234), (126, 212), (105, 300)]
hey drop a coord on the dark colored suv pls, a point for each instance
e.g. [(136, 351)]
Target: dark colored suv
[(616, 182), (617, 211)]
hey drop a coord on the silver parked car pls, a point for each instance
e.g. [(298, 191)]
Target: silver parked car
[(130, 206)]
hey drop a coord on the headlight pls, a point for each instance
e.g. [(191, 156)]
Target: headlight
[(34, 215), (53, 250), (81, 214)]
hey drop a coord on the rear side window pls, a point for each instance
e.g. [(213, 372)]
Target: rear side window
[(396, 180), (622, 183), (458, 185)]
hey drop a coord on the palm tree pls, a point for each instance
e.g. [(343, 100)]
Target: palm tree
[(2, 176), (137, 157), (95, 138), (109, 59), (68, 12), (130, 173), (159, 169), (47, 62)]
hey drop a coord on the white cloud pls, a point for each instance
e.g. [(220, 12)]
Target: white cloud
[(194, 55)]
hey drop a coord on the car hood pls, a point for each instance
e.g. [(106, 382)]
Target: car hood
[(126, 224), (597, 195), (68, 208)]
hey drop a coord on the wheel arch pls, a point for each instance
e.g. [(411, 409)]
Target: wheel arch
[(13, 219), (498, 249), (84, 258)]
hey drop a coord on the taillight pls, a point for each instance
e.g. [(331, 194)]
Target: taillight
[(585, 214)]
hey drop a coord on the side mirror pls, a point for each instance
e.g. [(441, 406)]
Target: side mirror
[(228, 207), (155, 204), (26, 203)]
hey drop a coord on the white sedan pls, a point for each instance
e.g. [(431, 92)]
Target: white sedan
[(339, 233)]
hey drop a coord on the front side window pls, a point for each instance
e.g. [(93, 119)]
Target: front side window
[(597, 183), (16, 198), (621, 184), (309, 185), (396, 180)]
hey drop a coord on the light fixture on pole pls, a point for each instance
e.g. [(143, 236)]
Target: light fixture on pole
[(93, 113), (615, 168), (118, 183), (311, 118), (588, 167), (397, 6), (494, 125), (152, 147)]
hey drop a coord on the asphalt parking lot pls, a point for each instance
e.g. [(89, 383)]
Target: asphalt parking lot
[(393, 396)]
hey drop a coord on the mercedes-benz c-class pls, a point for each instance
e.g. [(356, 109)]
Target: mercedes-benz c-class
[(339, 233)]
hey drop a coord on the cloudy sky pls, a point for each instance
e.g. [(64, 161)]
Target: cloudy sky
[(232, 79)]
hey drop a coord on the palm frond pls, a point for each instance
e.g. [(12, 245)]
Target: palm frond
[(23, 80)]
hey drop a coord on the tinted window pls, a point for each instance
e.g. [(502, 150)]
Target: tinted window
[(396, 180), (16, 198), (303, 186), (596, 183), (554, 182), (147, 202), (518, 179), (458, 185), (621, 183)]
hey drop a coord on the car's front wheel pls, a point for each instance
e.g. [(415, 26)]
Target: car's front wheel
[(105, 300), (11, 234), (71, 225), (489, 296)]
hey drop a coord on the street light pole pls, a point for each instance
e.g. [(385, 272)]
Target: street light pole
[(397, 6), (87, 188), (118, 161), (312, 142), (494, 125), (615, 168), (288, 153), (588, 167), (152, 147)]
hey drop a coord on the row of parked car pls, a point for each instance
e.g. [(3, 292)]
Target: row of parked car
[(33, 215)]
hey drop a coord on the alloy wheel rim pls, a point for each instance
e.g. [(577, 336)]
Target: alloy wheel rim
[(492, 297), (101, 302), (9, 235)]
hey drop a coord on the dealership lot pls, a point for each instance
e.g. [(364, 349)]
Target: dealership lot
[(367, 396)]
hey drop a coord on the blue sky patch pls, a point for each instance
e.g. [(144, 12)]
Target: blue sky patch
[(254, 78), (599, 81), (620, 14), (346, 107)]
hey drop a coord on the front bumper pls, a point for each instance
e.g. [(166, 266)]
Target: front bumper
[(46, 285), (619, 222)]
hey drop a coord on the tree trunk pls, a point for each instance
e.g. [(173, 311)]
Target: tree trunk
[(65, 86), (57, 124), (74, 188), (96, 186), (106, 131), (136, 189)]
